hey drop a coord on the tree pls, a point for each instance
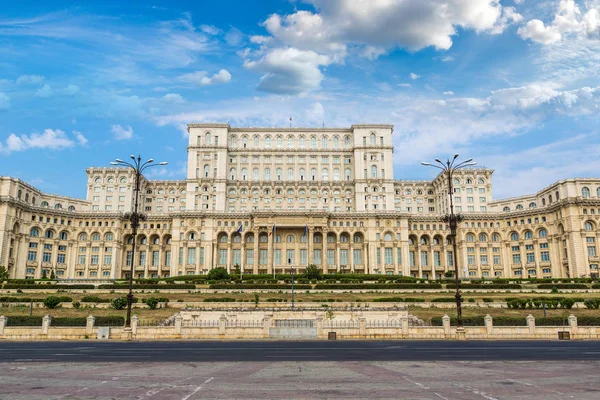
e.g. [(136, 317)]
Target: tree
[(52, 276), (218, 274), (151, 302), (119, 303), (257, 298), (51, 302), (44, 275), (448, 274), (312, 272), (237, 269), (3, 273)]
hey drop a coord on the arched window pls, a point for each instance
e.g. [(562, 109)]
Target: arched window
[(336, 174), (302, 173), (233, 142), (49, 234), (143, 240), (232, 173), (506, 209), (278, 172), (585, 191), (244, 142), (336, 142), (528, 235), (256, 141), (26, 196), (373, 139), (63, 235), (290, 174), (192, 236), (324, 142), (279, 141), (108, 237), (357, 238), (268, 142), (495, 237), (482, 237), (19, 194), (423, 241), (289, 239), (344, 238), (206, 171), (387, 237), (313, 142), (237, 238), (347, 142), (267, 174), (169, 240), (223, 238), (34, 232), (456, 181), (373, 171), (301, 142), (255, 174), (156, 240), (532, 205), (290, 141), (95, 237), (207, 138), (481, 181), (325, 174), (244, 173), (519, 207), (313, 174), (250, 238), (130, 240), (470, 237), (348, 174), (589, 226), (83, 237), (436, 240), (44, 204), (597, 192), (543, 233), (514, 236)]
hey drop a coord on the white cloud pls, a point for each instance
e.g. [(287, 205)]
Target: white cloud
[(82, 140), (70, 90), (45, 91), (173, 98), (29, 79), (4, 101), (210, 29), (414, 76), (289, 71), (192, 77), (234, 37), (223, 76), (315, 113), (568, 21), (54, 139), (121, 133), (447, 58), (449, 93), (404, 84)]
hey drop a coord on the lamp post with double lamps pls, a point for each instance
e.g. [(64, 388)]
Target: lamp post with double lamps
[(135, 217), (448, 168)]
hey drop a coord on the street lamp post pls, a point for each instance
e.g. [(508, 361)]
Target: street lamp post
[(448, 168), (135, 217)]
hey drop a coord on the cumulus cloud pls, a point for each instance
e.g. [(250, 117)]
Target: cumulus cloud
[(81, 139), (201, 78), (568, 21), (414, 76), (30, 79), (289, 71), (121, 133), (173, 98), (54, 139), (4, 101), (223, 76), (45, 91)]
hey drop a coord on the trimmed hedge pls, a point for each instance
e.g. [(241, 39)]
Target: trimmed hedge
[(219, 300), (466, 286), (150, 286), (24, 320), (596, 286), (563, 286), (480, 321), (398, 300), (379, 286), (443, 300), (257, 286), (94, 299), (551, 303), (8, 299), (56, 286)]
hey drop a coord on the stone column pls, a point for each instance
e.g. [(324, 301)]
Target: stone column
[(3, 321), (256, 253), (267, 325), (134, 324), (46, 321), (489, 325), (310, 245), (324, 252), (404, 322), (222, 324), (362, 326), (446, 325), (531, 324), (89, 324), (270, 251), (178, 323), (319, 327), (229, 265)]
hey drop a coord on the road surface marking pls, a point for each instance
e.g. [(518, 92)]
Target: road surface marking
[(197, 389), (416, 383), (441, 397)]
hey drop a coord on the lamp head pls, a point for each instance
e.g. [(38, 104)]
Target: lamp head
[(118, 160), (132, 157), (114, 163), (455, 156), (425, 163), (163, 163), (438, 160), (150, 160)]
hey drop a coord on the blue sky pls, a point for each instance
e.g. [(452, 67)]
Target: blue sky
[(513, 84)]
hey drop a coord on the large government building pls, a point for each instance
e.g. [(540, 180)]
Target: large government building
[(265, 198)]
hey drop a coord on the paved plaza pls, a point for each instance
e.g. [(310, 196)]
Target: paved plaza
[(301, 380)]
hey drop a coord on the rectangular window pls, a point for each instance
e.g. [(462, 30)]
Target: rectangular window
[(424, 260), (167, 258), (290, 257), (277, 257), (222, 256), (128, 259), (389, 255), (201, 251), (32, 255), (317, 257), (483, 259), (107, 259), (530, 257), (378, 256), (411, 255), (436, 258), (60, 258), (330, 257), (303, 256), (450, 259), (471, 260), (591, 251), (47, 257), (263, 256), (545, 255), (155, 258), (250, 257), (237, 257), (180, 255), (516, 259), (81, 259), (142, 259), (357, 257), (496, 260), (399, 256), (94, 260)]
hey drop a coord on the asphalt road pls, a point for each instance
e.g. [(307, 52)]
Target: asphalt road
[(241, 351)]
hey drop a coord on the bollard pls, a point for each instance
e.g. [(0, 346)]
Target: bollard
[(489, 325), (46, 324), (531, 324), (3, 321), (134, 324), (446, 324), (89, 325), (178, 323)]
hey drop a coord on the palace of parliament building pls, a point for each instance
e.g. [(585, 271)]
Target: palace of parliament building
[(265, 198)]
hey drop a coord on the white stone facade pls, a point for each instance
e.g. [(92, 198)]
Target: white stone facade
[(316, 196)]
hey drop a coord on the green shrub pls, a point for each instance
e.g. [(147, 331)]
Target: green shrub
[(219, 299), (149, 286), (24, 320), (592, 303), (218, 274), (588, 320), (467, 286), (109, 321), (119, 303), (76, 304), (313, 272), (257, 286), (373, 286), (443, 300), (51, 302), (94, 299), (151, 302), (563, 286)]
